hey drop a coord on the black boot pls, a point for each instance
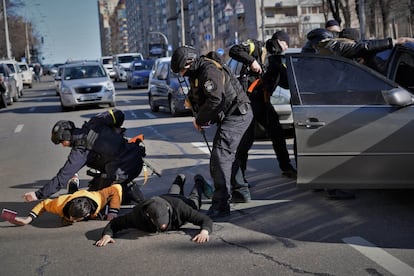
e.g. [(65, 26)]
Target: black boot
[(177, 187), (133, 194)]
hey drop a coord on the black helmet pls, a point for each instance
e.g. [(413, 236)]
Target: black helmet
[(317, 35), (182, 57), (62, 131)]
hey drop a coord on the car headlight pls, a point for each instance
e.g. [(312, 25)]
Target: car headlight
[(65, 90), (109, 87)]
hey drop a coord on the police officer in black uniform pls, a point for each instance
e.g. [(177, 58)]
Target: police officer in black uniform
[(217, 98), (254, 55), (100, 145)]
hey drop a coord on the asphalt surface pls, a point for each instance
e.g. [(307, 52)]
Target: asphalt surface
[(282, 231)]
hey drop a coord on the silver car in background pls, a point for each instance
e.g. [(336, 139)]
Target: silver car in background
[(85, 83)]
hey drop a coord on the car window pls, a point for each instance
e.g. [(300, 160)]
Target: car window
[(11, 67), (162, 71), (405, 71), (327, 81), (83, 72)]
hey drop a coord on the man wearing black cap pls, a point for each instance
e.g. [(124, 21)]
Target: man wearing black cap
[(166, 212), (254, 55), (333, 26)]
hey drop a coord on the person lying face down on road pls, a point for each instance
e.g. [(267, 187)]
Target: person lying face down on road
[(78, 206), (166, 212)]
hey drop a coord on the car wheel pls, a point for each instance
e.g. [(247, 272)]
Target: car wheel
[(15, 98), (153, 107), (65, 108), (3, 101), (173, 107), (10, 101)]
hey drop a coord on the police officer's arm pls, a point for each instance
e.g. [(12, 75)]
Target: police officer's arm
[(240, 52), (246, 53), (211, 84), (76, 160)]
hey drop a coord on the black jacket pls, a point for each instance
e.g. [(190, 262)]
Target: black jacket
[(124, 167), (181, 214), (214, 91)]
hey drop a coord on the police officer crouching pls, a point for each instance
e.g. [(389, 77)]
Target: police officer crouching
[(100, 145), (216, 97)]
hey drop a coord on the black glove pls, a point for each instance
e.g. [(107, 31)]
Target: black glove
[(141, 147)]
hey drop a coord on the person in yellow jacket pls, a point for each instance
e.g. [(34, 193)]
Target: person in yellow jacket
[(78, 206)]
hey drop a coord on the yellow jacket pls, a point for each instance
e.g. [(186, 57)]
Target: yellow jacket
[(111, 195)]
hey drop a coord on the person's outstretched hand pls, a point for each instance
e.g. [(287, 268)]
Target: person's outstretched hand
[(30, 196), (104, 241), (202, 237)]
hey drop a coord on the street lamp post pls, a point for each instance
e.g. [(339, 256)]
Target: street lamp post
[(165, 40), (6, 30)]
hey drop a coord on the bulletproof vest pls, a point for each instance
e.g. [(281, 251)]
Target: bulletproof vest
[(101, 136), (233, 91)]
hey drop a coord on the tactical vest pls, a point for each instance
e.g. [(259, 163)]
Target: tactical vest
[(234, 96), (101, 134)]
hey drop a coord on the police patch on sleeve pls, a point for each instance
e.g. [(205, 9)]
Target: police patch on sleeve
[(209, 85)]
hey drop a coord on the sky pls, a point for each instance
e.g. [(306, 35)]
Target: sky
[(70, 28)]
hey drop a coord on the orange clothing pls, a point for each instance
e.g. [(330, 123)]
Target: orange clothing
[(111, 195)]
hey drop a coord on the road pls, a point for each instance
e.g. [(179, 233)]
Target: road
[(282, 231)]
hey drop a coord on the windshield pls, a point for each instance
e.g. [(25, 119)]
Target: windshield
[(83, 72), (127, 59)]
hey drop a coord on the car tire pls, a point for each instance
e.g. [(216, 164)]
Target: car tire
[(152, 105), (3, 100), (65, 108), (172, 106)]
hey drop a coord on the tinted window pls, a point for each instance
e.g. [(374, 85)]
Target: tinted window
[(326, 81)]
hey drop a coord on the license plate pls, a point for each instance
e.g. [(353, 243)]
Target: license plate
[(88, 98)]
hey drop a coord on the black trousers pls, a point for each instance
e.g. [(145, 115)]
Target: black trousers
[(226, 141), (265, 114)]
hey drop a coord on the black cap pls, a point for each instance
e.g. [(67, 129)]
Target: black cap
[(350, 33), (62, 131), (158, 210), (281, 35), (317, 35), (331, 22)]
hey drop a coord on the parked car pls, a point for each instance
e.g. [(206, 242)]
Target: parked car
[(138, 73), (108, 64), (27, 74), (166, 91), (354, 127), (16, 72), (54, 68), (122, 62), (11, 93), (85, 83)]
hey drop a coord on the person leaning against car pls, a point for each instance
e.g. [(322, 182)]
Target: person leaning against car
[(252, 54)]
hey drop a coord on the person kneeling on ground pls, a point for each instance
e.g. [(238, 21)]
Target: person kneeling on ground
[(166, 212), (78, 206)]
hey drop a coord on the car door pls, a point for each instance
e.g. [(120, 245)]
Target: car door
[(160, 84), (347, 136)]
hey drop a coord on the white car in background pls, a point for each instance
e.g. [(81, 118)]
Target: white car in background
[(85, 83), (108, 64), (27, 74), (122, 63), (16, 74)]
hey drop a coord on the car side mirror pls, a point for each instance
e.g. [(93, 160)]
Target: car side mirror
[(398, 96), (58, 78)]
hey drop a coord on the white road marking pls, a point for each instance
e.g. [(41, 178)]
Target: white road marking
[(201, 146), (150, 115), (380, 256), (32, 109), (18, 128)]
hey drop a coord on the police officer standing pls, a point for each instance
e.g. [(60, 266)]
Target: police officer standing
[(216, 97), (254, 55), (99, 144)]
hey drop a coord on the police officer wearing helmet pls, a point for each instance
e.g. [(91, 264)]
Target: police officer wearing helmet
[(253, 53), (100, 145), (217, 98)]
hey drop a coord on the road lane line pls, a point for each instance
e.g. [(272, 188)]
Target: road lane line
[(150, 115), (18, 128), (201, 146), (380, 256)]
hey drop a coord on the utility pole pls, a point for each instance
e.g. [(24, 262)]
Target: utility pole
[(182, 24), (213, 31), (6, 30)]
